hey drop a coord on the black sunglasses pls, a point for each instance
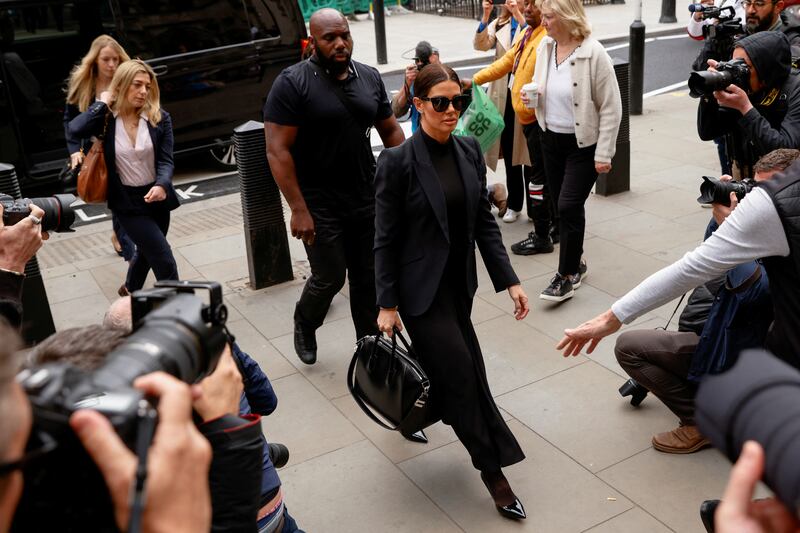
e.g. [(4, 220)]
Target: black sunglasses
[(39, 445), (441, 103)]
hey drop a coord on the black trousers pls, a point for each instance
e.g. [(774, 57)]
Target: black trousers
[(571, 175), (541, 207), (659, 360), (343, 246), (517, 176), (149, 233), (445, 342)]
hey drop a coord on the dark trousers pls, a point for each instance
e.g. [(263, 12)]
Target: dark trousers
[(571, 175), (149, 234), (342, 246), (540, 201), (125, 242), (516, 175), (659, 360), (448, 349)]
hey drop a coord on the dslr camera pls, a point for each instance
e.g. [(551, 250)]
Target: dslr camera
[(733, 72), (175, 332), (58, 213), (715, 191), (719, 37)]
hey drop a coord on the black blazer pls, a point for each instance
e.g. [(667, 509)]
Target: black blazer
[(121, 198), (411, 228), (73, 143)]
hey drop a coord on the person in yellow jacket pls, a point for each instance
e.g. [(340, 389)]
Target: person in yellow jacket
[(519, 62)]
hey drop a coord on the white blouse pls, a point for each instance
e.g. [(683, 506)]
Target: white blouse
[(135, 163), (559, 115)]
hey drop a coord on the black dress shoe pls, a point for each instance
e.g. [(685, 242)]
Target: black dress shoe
[(514, 510), (278, 454), (419, 437), (305, 343)]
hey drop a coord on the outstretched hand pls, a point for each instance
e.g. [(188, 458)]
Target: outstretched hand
[(591, 332)]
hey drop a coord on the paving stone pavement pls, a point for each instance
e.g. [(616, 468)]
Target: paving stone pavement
[(589, 466)]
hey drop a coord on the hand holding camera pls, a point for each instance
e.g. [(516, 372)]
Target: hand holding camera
[(19, 242), (411, 74), (178, 460)]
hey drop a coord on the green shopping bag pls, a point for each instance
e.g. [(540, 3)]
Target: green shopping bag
[(481, 119)]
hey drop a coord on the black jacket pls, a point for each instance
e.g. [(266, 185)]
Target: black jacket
[(411, 228), (774, 121), (73, 143), (121, 198)]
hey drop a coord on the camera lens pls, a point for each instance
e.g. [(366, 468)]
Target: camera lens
[(703, 83), (58, 215), (756, 400)]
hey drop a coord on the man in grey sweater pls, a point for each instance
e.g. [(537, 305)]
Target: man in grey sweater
[(764, 225)]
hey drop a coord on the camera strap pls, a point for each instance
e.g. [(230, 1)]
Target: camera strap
[(666, 326), (145, 429)]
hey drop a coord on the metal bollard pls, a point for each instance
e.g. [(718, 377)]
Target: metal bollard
[(380, 31), (619, 179), (268, 259), (667, 12), (37, 320)]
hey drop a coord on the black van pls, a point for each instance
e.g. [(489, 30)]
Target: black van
[(215, 60)]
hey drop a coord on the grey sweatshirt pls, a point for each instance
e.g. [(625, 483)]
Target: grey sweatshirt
[(752, 231)]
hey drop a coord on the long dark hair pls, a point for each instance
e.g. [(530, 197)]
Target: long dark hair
[(431, 75)]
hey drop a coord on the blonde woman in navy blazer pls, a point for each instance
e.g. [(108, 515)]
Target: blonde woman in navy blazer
[(431, 211), (141, 195)]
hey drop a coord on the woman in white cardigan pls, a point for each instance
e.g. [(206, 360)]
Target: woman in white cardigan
[(579, 109), (500, 34)]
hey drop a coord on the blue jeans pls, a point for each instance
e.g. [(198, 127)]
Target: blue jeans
[(289, 525)]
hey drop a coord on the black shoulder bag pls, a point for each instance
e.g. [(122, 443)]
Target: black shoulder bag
[(388, 380)]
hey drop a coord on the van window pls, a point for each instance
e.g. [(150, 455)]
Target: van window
[(162, 28), (261, 18)]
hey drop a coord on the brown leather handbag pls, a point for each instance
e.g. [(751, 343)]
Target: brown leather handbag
[(93, 177)]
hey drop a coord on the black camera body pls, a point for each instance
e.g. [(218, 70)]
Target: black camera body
[(715, 191), (58, 215), (733, 72), (175, 332)]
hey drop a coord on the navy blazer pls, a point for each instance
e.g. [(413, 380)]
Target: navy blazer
[(411, 227), (121, 198), (73, 143)]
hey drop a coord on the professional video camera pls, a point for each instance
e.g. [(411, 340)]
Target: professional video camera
[(756, 400), (422, 54), (719, 36), (705, 82), (715, 191), (175, 332), (58, 215)]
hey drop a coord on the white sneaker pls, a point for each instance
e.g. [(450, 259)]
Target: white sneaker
[(511, 216)]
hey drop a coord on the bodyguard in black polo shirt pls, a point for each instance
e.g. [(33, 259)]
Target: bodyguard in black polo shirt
[(317, 121)]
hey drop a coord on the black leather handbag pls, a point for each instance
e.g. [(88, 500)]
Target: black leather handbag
[(388, 380)]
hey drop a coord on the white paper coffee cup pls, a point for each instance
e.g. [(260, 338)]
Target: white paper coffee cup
[(531, 90)]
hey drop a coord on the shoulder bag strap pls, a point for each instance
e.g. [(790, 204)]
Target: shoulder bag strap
[(337, 90)]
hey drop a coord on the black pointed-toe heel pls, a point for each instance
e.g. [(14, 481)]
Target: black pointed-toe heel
[(419, 437), (515, 511)]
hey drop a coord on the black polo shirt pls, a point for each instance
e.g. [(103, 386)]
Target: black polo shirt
[(332, 153)]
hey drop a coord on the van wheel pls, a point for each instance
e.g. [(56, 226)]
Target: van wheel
[(224, 157)]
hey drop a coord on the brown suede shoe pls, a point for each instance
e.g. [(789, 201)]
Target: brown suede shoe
[(683, 439)]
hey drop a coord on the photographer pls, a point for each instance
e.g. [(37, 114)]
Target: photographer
[(765, 224), (671, 364), (235, 473), (18, 243), (761, 110), (697, 22), (424, 54), (177, 487)]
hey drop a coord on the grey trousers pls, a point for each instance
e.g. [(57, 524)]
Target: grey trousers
[(659, 360)]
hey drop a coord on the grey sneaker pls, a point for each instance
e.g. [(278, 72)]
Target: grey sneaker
[(576, 278), (560, 289)]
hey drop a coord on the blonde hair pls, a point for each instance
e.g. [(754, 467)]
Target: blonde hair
[(122, 81), (571, 12), (83, 78)]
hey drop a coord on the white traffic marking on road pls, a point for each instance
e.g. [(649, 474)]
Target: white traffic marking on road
[(469, 67), (189, 192), (86, 218), (677, 36), (666, 89)]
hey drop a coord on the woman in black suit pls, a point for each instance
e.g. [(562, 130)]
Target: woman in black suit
[(138, 151), (432, 209)]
